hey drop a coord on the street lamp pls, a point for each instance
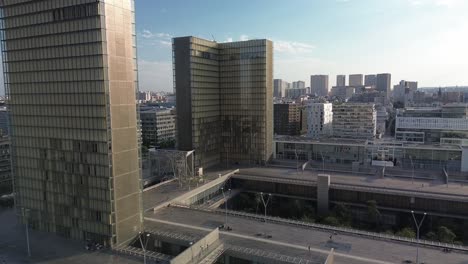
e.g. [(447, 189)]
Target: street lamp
[(25, 214), (412, 165), (225, 206), (265, 204), (144, 247), (191, 249), (418, 226)]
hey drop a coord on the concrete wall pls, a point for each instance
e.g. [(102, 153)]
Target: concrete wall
[(199, 248)]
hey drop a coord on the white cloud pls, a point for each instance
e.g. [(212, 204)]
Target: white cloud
[(165, 43), (147, 34), (244, 37), (155, 75), (228, 39), (441, 3), (292, 47)]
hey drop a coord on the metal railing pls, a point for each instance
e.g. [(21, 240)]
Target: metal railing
[(343, 230)]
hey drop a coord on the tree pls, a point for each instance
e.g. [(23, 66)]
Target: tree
[(343, 213), (331, 220), (373, 212), (445, 235), (406, 232)]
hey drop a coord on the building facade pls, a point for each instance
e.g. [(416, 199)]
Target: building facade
[(370, 80), (224, 100), (6, 182), (354, 120), (287, 119), (279, 88), (383, 83), (343, 92), (340, 80), (356, 80), (319, 85), (404, 92), (70, 70), (433, 124), (294, 93), (157, 126), (319, 119), (298, 85)]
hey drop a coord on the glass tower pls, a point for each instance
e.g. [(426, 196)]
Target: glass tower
[(71, 80), (224, 97)]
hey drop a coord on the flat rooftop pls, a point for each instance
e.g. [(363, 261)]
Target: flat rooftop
[(420, 186), (294, 241)]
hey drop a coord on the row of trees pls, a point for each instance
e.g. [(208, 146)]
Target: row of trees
[(341, 216)]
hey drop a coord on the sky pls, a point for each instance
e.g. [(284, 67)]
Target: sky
[(415, 40)]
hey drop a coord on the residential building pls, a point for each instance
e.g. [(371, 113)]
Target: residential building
[(343, 92), (356, 80), (70, 70), (370, 80), (354, 120), (6, 182), (383, 82), (157, 126), (4, 121), (433, 124), (287, 119), (144, 96), (224, 100), (319, 85), (404, 92), (341, 80), (295, 93), (298, 85), (279, 88), (319, 119)]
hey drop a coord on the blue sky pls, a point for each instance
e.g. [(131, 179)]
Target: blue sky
[(421, 40)]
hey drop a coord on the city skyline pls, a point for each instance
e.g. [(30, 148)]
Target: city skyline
[(334, 43), (323, 37)]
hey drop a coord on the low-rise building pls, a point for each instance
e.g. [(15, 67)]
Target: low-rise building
[(319, 119), (157, 125), (354, 120), (343, 92), (432, 124)]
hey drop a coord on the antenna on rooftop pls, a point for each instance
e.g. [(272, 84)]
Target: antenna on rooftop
[(213, 38)]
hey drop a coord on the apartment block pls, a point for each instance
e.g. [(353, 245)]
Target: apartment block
[(319, 119), (354, 120)]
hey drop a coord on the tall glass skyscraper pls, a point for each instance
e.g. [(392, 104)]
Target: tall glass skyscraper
[(71, 80), (224, 100)]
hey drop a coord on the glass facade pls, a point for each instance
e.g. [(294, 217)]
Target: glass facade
[(70, 76), (224, 106)]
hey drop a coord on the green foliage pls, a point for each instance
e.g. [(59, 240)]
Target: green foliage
[(373, 213), (406, 232), (431, 236), (388, 232), (445, 235), (331, 220), (168, 143), (343, 213), (308, 219)]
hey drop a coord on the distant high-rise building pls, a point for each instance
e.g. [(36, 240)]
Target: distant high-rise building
[(71, 81), (298, 85), (319, 85), (383, 83), (340, 80), (224, 106), (343, 92), (6, 182), (370, 80), (356, 80), (294, 93), (287, 119), (279, 88), (404, 91), (4, 123), (319, 119)]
